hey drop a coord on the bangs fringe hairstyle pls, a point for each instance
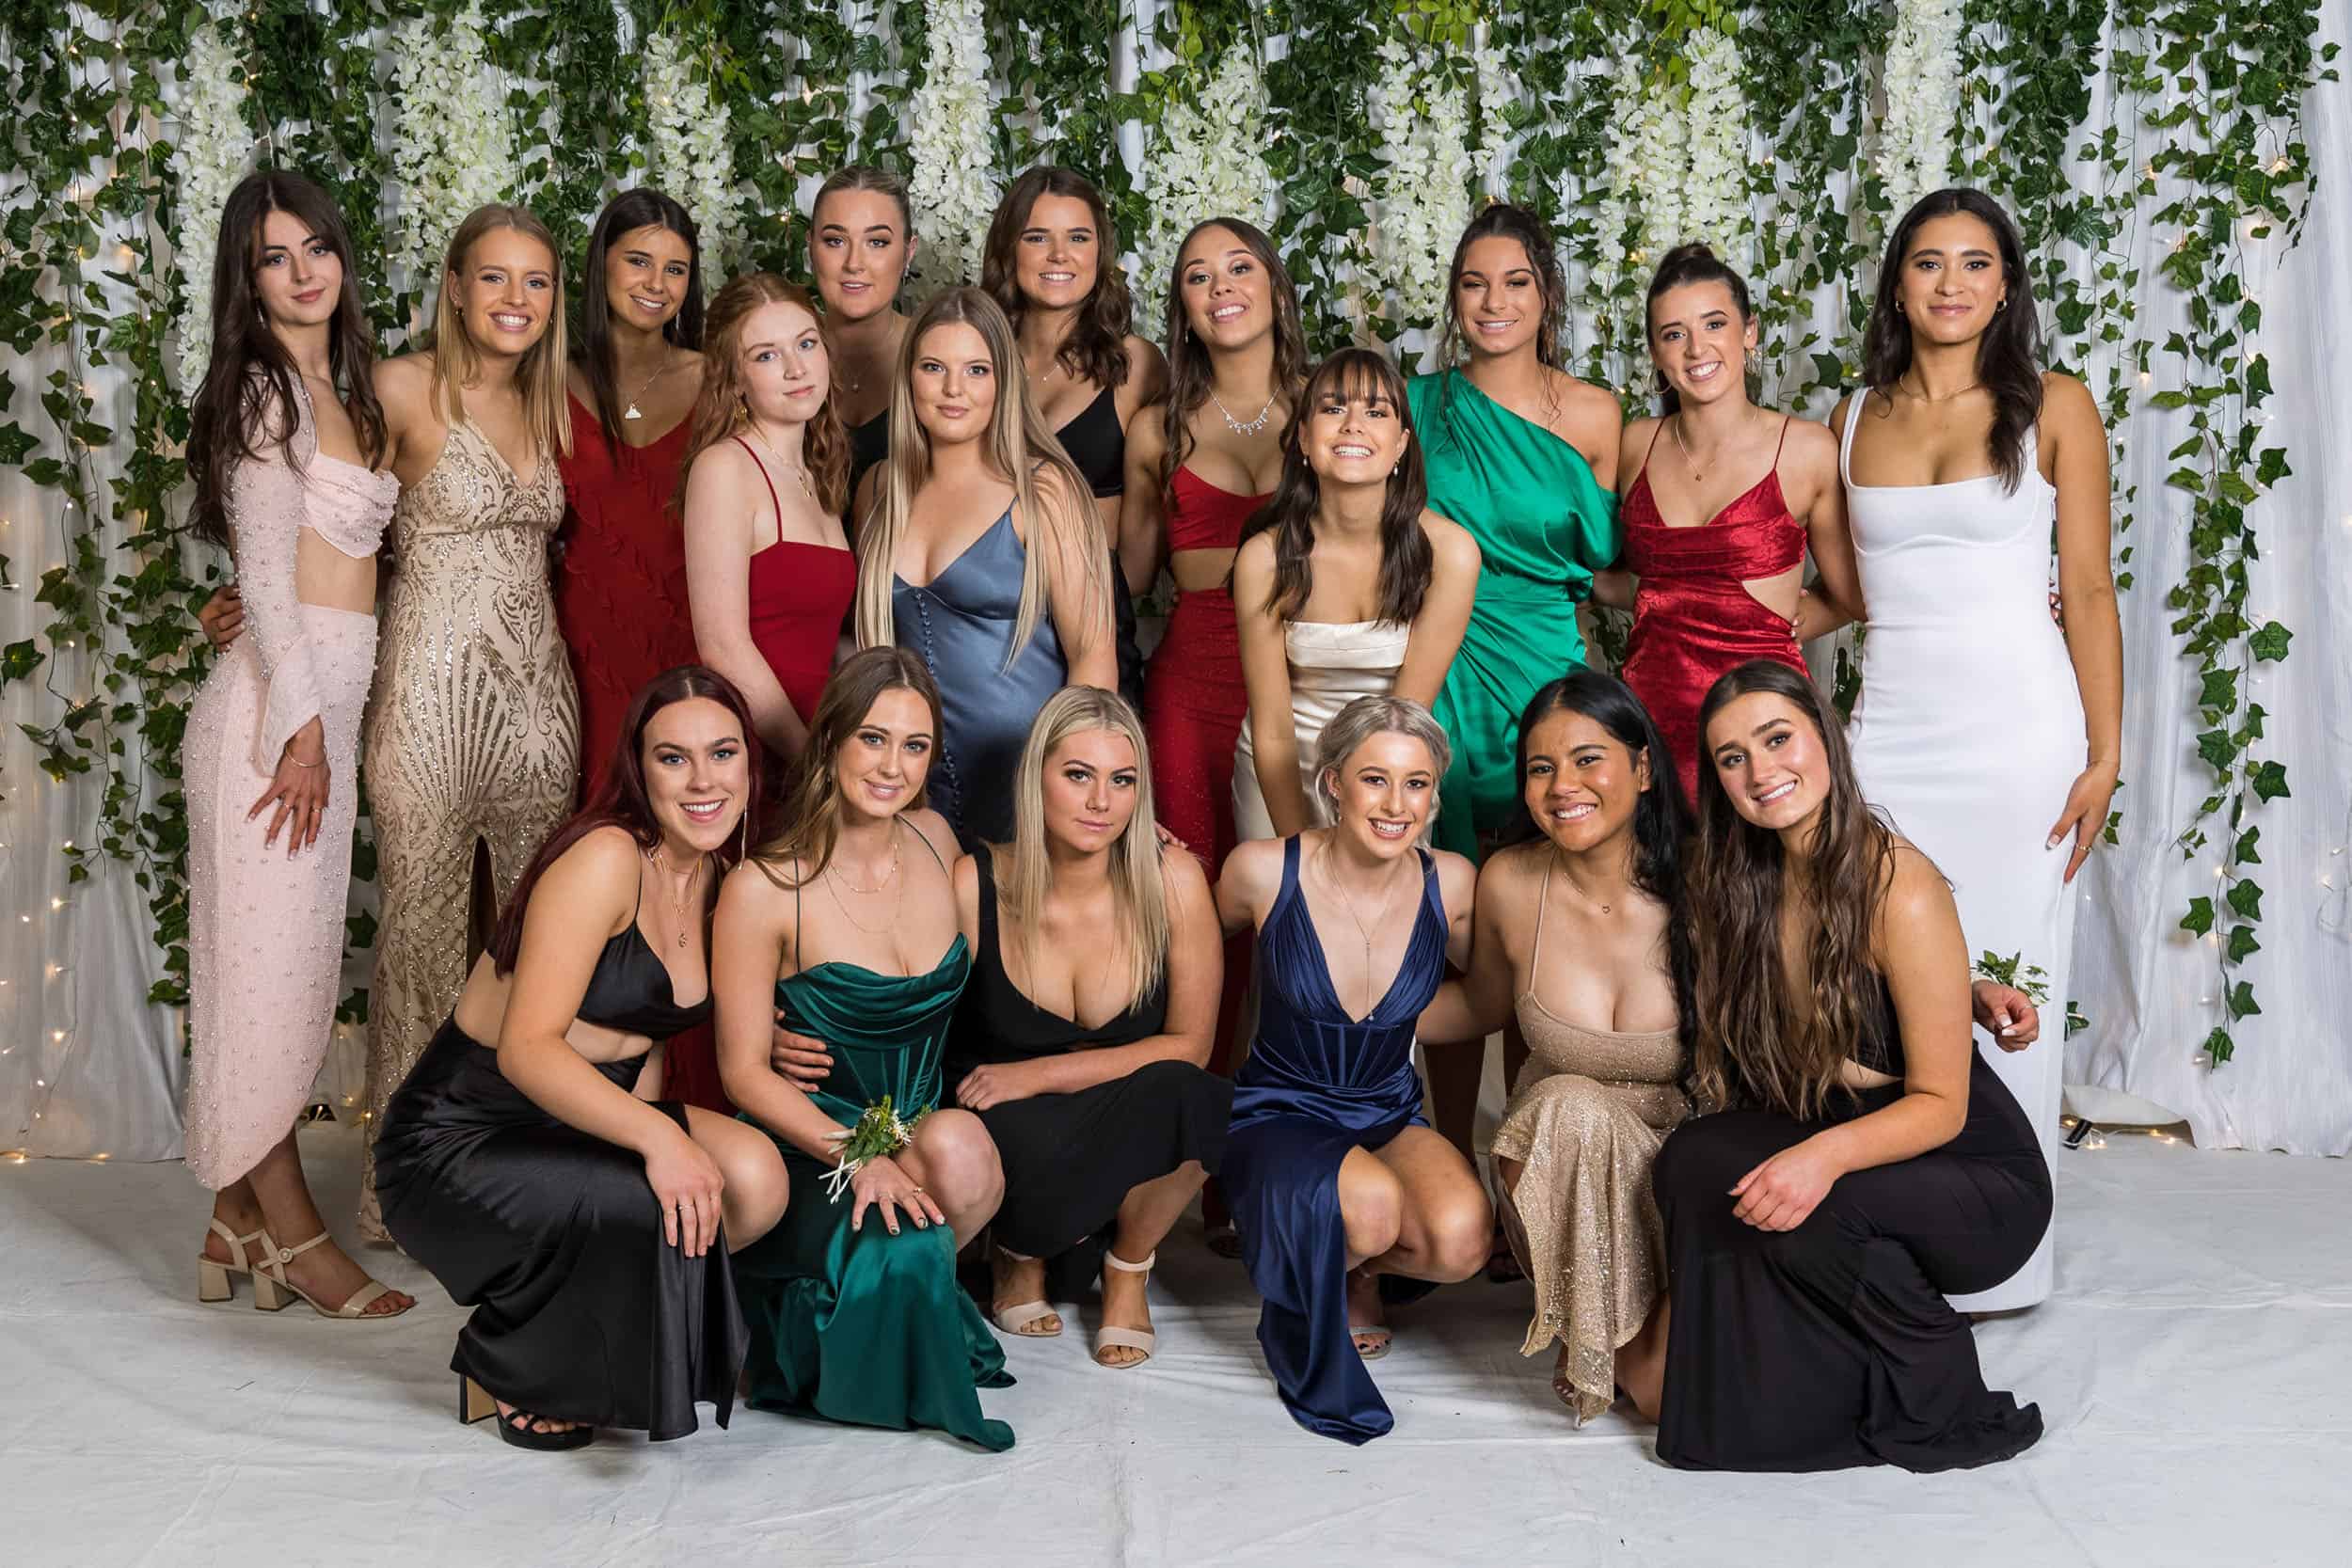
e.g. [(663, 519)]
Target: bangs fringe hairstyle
[(1018, 443), (1097, 347), (1351, 375), (1025, 868), (1756, 1040), (1661, 819), (1696, 263), (1192, 368), (1366, 717), (721, 409), (251, 389), (457, 363), (1502, 220), (592, 350), (812, 814), (2009, 355), (623, 801)]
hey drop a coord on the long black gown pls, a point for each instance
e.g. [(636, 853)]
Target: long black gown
[(1069, 1159), (583, 1312), (1831, 1345)]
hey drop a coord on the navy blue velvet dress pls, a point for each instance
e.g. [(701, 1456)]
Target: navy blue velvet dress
[(1318, 1084)]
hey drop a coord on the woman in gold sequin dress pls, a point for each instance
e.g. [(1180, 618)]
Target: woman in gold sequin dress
[(473, 730)]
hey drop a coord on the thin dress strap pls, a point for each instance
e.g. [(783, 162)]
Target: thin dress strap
[(927, 843), (1654, 434), (1535, 956), (773, 504), (1779, 446)]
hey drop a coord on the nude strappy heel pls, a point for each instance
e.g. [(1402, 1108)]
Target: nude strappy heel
[(273, 1291), (212, 1276), (1017, 1318), (1126, 1338)]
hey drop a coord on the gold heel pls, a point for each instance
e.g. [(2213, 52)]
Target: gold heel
[(475, 1402), (211, 1281)]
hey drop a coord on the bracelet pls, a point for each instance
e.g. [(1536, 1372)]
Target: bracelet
[(879, 1133), (300, 762)]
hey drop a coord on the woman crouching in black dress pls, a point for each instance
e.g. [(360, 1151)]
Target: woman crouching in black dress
[(1083, 1037), (539, 1178), (1872, 1161)]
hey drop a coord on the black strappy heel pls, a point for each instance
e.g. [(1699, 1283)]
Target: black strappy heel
[(475, 1404)]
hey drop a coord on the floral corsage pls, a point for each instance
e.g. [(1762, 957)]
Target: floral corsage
[(878, 1133)]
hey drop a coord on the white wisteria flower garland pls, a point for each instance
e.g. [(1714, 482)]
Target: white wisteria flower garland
[(213, 152), (452, 147), (691, 157), (1498, 88), (1922, 81), (949, 142), (1204, 163), (1424, 190)]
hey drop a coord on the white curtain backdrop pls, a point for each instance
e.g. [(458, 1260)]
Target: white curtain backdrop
[(88, 1068)]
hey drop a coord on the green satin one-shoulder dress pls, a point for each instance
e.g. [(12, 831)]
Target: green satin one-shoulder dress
[(864, 1326), (1544, 526)]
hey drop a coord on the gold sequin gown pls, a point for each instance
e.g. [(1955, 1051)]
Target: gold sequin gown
[(472, 734), (1590, 1108)]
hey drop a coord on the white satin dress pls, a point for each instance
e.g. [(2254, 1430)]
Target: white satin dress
[(1969, 734), (1331, 663)]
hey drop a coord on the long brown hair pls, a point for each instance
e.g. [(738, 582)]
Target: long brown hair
[(2009, 355), (456, 362), (1406, 557), (1018, 445), (812, 816), (592, 350), (1097, 348), (1757, 1039), (251, 395), (1696, 263), (721, 409), (1191, 372), (622, 800), (1501, 220)]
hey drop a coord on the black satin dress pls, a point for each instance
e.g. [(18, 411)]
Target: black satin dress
[(1097, 444), (583, 1312), (1831, 1345), (1070, 1159)]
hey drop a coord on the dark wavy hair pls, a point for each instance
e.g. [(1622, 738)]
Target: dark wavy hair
[(1694, 264), (1097, 349), (1661, 819), (622, 801), (1757, 1039), (592, 345), (1190, 374), (251, 389), (1501, 220), (2009, 355), (1353, 376)]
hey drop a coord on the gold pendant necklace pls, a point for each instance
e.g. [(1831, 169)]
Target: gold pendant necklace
[(632, 412), (1361, 929), (685, 896)]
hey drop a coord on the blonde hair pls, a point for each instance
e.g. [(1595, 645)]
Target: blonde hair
[(1018, 444), (1138, 897), (541, 376), (1366, 717), (720, 410)]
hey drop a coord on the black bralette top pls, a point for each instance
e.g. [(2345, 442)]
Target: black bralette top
[(1098, 445), (630, 988)]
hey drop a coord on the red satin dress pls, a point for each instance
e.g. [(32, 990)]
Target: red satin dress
[(799, 595), (620, 588), (1693, 620), (1194, 701)]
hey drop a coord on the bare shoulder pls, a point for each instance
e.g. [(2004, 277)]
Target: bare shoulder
[(406, 379), (2067, 404), (1449, 541), (599, 870), (1147, 431), (1915, 890), (1146, 367), (1810, 448), (933, 830), (1254, 862), (1182, 878), (1254, 561), (1584, 402)]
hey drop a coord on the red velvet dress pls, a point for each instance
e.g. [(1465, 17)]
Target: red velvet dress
[(620, 589), (1693, 619), (1194, 701)]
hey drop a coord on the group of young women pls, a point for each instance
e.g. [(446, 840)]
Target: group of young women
[(963, 926)]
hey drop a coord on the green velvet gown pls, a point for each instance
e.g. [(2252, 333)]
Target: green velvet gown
[(864, 1326), (1544, 526)]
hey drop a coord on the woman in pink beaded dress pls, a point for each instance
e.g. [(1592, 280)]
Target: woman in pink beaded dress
[(283, 443)]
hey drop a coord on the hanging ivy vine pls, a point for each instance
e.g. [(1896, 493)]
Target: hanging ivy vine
[(2198, 169)]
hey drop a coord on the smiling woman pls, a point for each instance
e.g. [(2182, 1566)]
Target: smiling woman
[(473, 742)]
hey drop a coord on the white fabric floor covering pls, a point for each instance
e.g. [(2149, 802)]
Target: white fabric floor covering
[(2195, 1370)]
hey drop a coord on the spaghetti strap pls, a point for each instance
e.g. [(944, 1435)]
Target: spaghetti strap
[(1782, 444), (773, 504), (1643, 471), (928, 843), (1535, 956)]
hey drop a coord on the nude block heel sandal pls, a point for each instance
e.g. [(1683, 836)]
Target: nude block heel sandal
[(212, 1276), (273, 1291), (1126, 1338)]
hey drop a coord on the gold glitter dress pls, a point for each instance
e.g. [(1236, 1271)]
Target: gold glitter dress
[(1591, 1109), (472, 734)]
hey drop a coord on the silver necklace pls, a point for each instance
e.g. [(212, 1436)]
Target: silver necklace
[(1362, 931), (1244, 427)]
